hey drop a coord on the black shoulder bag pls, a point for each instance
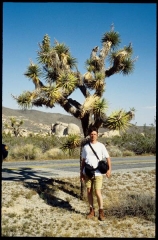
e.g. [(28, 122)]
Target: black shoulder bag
[(102, 164)]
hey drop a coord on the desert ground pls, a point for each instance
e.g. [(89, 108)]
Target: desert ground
[(54, 209)]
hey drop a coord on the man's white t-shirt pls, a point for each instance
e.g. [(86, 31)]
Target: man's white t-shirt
[(90, 157)]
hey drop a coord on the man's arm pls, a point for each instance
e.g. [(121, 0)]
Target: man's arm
[(109, 164), (82, 167)]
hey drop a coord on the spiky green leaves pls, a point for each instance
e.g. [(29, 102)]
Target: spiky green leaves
[(48, 97), (118, 120), (121, 61), (112, 37), (129, 49), (71, 61), (94, 65), (24, 100), (61, 48), (100, 107), (52, 57), (33, 71), (128, 66), (53, 93), (72, 141), (67, 81)]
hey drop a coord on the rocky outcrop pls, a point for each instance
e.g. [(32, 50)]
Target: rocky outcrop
[(63, 129)]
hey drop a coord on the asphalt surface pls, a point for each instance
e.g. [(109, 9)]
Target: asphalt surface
[(28, 170)]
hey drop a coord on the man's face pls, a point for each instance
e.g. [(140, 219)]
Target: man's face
[(93, 135)]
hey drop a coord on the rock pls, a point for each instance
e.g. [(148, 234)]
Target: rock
[(62, 129)]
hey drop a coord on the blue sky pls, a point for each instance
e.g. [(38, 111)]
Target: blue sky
[(81, 26)]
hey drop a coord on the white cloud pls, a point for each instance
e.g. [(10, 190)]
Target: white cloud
[(151, 107)]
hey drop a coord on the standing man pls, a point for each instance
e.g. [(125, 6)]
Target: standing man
[(94, 183)]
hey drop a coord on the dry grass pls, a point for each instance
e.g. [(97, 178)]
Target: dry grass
[(53, 208)]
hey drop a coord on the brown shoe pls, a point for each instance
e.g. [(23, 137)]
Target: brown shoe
[(91, 213), (101, 215)]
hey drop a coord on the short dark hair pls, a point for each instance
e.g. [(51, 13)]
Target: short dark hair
[(93, 129)]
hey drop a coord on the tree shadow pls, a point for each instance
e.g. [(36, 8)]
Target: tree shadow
[(22, 174), (46, 188)]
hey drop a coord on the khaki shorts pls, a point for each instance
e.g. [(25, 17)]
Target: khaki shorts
[(96, 181)]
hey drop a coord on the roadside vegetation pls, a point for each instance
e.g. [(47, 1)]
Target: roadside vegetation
[(37, 147)]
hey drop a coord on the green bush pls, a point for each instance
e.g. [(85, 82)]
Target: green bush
[(139, 143), (114, 151), (26, 152), (54, 153), (128, 153), (48, 147)]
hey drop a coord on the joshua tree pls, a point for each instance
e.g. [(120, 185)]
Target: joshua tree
[(14, 126), (62, 78)]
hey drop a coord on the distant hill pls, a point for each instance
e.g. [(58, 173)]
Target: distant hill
[(39, 116), (33, 116), (36, 120)]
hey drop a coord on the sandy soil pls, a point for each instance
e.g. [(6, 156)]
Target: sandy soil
[(25, 213)]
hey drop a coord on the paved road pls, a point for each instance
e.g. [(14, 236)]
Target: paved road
[(18, 171)]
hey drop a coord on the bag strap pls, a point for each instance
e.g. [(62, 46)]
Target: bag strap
[(93, 151)]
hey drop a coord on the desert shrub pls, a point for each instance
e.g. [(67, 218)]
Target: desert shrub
[(26, 152), (54, 153), (127, 153), (139, 143), (115, 140), (43, 142), (11, 141), (114, 151), (126, 144)]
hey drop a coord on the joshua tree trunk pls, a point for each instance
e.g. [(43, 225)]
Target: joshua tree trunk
[(82, 184)]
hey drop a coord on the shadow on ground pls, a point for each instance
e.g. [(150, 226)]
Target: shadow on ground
[(46, 188)]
